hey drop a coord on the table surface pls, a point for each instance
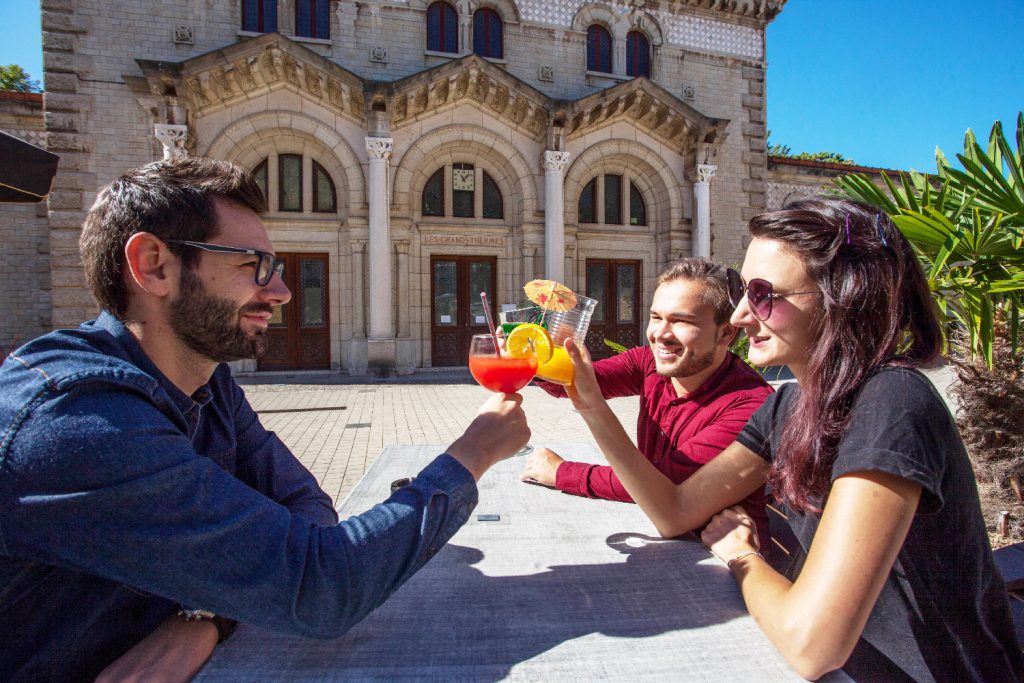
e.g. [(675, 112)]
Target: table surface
[(559, 587)]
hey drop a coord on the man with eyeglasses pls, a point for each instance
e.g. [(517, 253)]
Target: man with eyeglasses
[(695, 395), (143, 507)]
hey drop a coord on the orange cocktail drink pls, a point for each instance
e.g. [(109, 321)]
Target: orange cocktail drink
[(558, 369)]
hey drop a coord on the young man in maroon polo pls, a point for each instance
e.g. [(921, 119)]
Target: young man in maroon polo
[(695, 395)]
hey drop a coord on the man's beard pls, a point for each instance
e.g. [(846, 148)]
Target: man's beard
[(689, 367), (211, 326)]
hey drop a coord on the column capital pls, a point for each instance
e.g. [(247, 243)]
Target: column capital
[(173, 137), (358, 246), (379, 148), (555, 161), (402, 246), (705, 172)]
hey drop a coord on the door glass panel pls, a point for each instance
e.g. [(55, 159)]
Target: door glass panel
[(597, 277), (587, 202), (290, 168), (277, 317), (312, 274), (625, 287), (446, 300), (479, 281)]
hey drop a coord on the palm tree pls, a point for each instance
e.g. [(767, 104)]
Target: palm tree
[(967, 227)]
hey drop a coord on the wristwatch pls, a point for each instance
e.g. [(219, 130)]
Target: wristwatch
[(225, 626)]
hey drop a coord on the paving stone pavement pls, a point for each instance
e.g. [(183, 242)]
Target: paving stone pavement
[(428, 408), (339, 445)]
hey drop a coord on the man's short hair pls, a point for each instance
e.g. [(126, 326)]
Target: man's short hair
[(170, 199), (711, 274)]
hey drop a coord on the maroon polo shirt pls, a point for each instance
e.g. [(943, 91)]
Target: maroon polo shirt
[(677, 434)]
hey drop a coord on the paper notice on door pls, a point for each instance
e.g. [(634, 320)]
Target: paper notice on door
[(446, 319), (480, 320)]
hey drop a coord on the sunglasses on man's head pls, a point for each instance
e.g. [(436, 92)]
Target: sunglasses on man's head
[(760, 294), (265, 270)]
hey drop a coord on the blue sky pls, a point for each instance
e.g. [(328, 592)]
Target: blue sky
[(882, 82)]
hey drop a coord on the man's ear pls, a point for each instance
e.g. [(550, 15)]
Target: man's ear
[(149, 263), (727, 334)]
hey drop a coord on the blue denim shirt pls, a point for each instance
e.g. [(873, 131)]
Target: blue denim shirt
[(121, 497)]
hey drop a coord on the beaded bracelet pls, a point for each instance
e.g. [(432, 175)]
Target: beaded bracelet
[(745, 553)]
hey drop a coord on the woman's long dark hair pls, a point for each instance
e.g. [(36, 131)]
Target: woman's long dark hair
[(877, 310)]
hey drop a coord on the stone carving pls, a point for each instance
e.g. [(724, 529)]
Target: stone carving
[(291, 69), (401, 107), (270, 71), (518, 112), (183, 35), (481, 86), (419, 99), (379, 148), (245, 75), (379, 54), (463, 240), (500, 99), (312, 80), (357, 104), (546, 73), (441, 91), (539, 121), (173, 138), (705, 172), (335, 93), (196, 86), (220, 83), (555, 161), (461, 84), (689, 92)]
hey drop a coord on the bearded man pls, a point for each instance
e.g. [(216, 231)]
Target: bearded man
[(695, 394), (143, 507)]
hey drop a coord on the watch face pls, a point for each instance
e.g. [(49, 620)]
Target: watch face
[(462, 179)]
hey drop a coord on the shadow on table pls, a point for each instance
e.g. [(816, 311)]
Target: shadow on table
[(432, 627)]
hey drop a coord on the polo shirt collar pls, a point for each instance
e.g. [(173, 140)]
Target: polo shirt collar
[(710, 383)]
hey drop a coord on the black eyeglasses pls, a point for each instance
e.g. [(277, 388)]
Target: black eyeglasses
[(268, 265), (760, 294)]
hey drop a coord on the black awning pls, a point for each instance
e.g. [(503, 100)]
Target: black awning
[(26, 171)]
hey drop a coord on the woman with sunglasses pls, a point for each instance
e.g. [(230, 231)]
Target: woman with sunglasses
[(898, 581)]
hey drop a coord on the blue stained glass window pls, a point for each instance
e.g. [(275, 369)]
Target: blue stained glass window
[(442, 28), (487, 38), (638, 54), (312, 19), (599, 49), (259, 16)]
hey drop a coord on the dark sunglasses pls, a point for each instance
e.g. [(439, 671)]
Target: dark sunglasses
[(268, 264), (760, 294)]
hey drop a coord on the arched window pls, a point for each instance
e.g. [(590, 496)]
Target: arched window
[(324, 200), (442, 28), (637, 208), (312, 19), (638, 54), (599, 49), (259, 16), (259, 174), (289, 182), (607, 208), (462, 193), (487, 34)]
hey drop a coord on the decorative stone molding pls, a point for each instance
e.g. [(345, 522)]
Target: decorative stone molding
[(463, 240), (183, 35), (251, 68), (546, 73), (173, 138), (379, 54), (705, 172), (555, 161), (689, 92), (379, 148)]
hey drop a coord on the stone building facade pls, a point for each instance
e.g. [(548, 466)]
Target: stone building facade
[(26, 308), (404, 174)]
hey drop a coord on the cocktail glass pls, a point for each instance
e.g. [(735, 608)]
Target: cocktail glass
[(495, 370)]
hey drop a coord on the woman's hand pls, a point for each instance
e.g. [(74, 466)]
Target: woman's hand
[(584, 391), (730, 533)]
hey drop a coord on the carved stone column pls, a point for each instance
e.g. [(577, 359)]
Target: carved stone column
[(702, 199), (358, 289), (173, 137), (554, 215), (404, 289), (381, 325)]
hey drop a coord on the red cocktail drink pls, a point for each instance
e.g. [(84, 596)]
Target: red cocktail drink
[(507, 375)]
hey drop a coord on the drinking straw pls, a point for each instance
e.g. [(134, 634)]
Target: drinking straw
[(490, 321)]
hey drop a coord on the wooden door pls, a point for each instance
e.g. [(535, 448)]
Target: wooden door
[(456, 311), (299, 334), (616, 286)]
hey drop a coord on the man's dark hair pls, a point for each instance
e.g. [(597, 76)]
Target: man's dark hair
[(170, 199), (711, 274)]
